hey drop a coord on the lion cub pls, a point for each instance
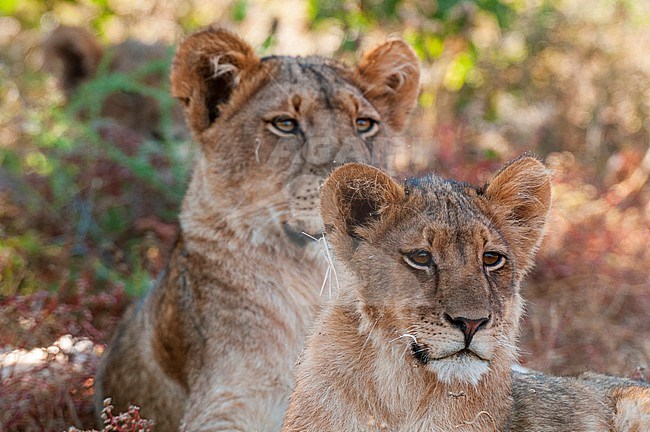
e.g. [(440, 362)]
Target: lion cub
[(421, 335), (212, 346)]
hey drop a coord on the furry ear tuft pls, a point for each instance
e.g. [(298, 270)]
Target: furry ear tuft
[(73, 55), (207, 68), (391, 74), (355, 197), (520, 198)]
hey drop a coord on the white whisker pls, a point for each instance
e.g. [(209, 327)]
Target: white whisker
[(310, 236), (258, 143), (331, 269), (327, 275), (403, 336)]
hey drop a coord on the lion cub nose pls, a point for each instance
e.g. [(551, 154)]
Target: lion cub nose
[(469, 327)]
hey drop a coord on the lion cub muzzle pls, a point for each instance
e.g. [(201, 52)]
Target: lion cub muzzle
[(468, 326)]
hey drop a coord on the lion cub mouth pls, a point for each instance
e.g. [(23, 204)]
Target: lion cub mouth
[(421, 354)]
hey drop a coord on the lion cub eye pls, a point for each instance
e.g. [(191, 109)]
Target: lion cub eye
[(419, 259), (366, 125), (285, 125), (493, 260)]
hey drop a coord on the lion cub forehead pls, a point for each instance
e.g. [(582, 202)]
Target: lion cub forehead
[(313, 84), (446, 199), (316, 72), (441, 210), (281, 61)]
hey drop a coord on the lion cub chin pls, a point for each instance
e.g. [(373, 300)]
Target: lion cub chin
[(421, 334)]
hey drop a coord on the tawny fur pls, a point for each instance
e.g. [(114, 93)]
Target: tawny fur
[(213, 345), (389, 351), (586, 403)]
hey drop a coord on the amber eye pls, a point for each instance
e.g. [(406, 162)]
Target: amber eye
[(493, 260), (419, 258), (365, 125), (285, 125)]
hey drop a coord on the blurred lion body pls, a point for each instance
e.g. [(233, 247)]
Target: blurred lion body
[(213, 344), (75, 57), (422, 335), (134, 123)]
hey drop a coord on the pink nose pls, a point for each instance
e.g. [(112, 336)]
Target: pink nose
[(469, 327)]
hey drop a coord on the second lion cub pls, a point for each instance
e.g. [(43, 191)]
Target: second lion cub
[(422, 334)]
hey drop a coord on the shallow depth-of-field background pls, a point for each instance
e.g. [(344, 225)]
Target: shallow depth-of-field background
[(88, 207)]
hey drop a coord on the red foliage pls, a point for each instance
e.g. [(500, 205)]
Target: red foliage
[(39, 319), (129, 421), (47, 378)]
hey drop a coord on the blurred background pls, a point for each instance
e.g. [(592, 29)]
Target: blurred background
[(89, 194)]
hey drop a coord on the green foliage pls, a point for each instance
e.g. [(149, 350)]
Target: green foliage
[(433, 29), (8, 7), (63, 175), (436, 19), (239, 10), (459, 70)]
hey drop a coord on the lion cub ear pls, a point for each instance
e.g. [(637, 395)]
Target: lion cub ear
[(354, 198), (72, 54), (391, 73), (520, 198), (207, 67)]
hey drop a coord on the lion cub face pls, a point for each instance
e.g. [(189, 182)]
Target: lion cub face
[(436, 264), (271, 129)]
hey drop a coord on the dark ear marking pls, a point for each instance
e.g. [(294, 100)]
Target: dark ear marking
[(206, 70), (355, 197), (217, 95), (363, 210), (221, 80)]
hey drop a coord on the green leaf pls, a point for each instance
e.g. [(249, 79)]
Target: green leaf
[(114, 220), (8, 7), (239, 11), (458, 71)]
